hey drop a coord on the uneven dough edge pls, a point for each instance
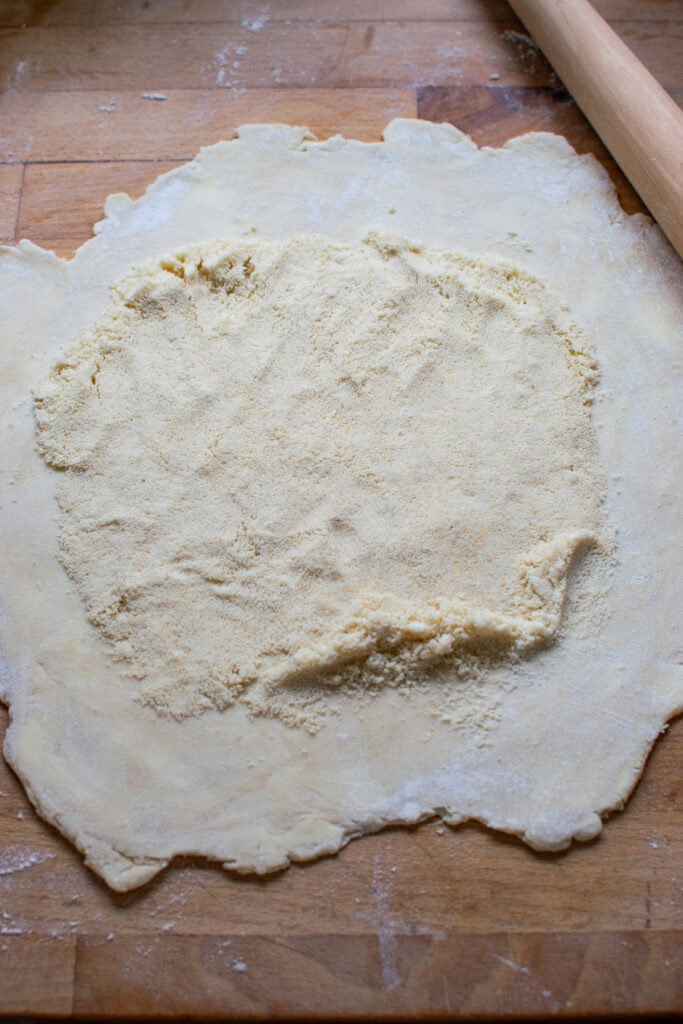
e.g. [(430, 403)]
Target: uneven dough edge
[(642, 238), (124, 872)]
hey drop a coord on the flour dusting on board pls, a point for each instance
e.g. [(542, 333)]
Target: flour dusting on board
[(18, 858), (387, 926), (256, 23)]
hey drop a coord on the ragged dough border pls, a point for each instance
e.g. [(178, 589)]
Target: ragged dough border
[(567, 748)]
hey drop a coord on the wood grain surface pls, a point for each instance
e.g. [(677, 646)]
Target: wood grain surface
[(428, 921)]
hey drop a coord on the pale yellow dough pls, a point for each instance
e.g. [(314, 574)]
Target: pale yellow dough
[(537, 700), (294, 462)]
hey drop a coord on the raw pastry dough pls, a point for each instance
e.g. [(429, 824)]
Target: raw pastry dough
[(542, 748)]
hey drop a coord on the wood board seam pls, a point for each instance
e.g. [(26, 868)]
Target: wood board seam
[(17, 218), (289, 22), (239, 91)]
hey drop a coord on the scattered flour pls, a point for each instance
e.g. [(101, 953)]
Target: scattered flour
[(18, 858), (256, 23)]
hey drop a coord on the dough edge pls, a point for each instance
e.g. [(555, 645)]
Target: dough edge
[(132, 870)]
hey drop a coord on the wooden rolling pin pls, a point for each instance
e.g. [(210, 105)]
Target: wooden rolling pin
[(636, 119)]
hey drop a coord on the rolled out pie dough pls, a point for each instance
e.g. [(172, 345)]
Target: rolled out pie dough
[(354, 527)]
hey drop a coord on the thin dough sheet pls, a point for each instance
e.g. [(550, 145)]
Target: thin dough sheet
[(543, 746)]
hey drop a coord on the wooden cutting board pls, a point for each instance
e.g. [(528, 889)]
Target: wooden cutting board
[(412, 922)]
